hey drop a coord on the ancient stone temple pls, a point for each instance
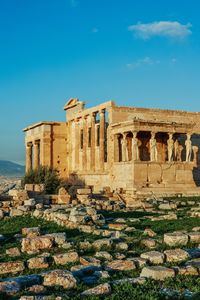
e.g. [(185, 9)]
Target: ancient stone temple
[(137, 150)]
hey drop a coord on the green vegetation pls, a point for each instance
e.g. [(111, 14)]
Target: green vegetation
[(43, 175)]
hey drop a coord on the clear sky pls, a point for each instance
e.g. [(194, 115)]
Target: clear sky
[(137, 52)]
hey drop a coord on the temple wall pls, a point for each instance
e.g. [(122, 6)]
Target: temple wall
[(108, 145)]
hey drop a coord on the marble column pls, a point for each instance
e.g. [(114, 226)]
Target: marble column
[(77, 143), (92, 147), (102, 139), (116, 147), (36, 155), (84, 157), (124, 148), (29, 157)]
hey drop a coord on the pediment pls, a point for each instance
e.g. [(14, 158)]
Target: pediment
[(71, 103)]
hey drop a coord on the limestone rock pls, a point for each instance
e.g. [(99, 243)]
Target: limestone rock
[(149, 243), (31, 232), (65, 258), (175, 239), (39, 262), (59, 237), (37, 289), (167, 206), (89, 260), (121, 265), (14, 212), (34, 245), (194, 237), (13, 252), (30, 202), (100, 290), (60, 278), (84, 191), (176, 255), (104, 254), (149, 232), (157, 272), (153, 257), (102, 243), (11, 267)]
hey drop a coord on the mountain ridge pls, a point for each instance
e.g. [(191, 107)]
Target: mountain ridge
[(9, 168)]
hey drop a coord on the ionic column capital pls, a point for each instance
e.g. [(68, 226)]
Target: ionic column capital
[(102, 112)]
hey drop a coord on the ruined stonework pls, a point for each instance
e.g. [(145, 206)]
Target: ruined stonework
[(137, 150)]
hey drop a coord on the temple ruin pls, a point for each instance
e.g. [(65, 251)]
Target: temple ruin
[(136, 150)]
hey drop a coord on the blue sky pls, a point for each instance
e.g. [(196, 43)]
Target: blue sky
[(139, 53)]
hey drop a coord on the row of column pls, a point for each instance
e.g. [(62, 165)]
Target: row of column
[(32, 155), (174, 149), (88, 131)]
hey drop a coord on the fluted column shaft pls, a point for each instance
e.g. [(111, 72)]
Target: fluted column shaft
[(84, 157), (77, 144), (102, 139), (36, 159), (28, 157), (92, 149)]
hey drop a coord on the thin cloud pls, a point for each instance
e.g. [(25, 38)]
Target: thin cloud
[(95, 30), (142, 62), (73, 3), (168, 29)]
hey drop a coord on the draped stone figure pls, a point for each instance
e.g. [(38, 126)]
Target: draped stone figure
[(179, 153), (188, 145), (135, 149), (153, 148), (170, 147)]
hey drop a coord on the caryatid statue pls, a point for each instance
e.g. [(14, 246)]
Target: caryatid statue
[(135, 150), (188, 145), (153, 148), (170, 147)]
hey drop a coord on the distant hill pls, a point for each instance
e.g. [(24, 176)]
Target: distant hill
[(8, 168)]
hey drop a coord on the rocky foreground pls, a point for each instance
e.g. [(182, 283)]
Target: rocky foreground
[(95, 245), (8, 183)]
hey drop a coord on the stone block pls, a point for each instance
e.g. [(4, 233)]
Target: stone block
[(65, 258), (11, 267), (121, 265), (59, 278), (175, 239), (176, 255), (153, 257), (157, 272)]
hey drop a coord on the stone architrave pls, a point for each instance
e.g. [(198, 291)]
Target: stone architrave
[(170, 147), (153, 148), (135, 149), (188, 145)]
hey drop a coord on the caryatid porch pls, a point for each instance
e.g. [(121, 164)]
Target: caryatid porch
[(160, 154)]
